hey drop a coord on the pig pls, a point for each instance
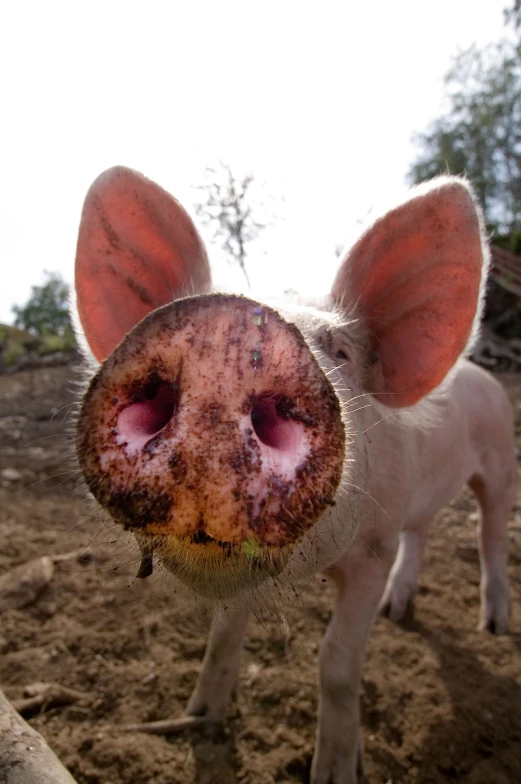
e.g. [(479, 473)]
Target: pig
[(248, 446)]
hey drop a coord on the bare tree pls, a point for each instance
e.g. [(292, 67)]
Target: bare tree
[(231, 206), (513, 14)]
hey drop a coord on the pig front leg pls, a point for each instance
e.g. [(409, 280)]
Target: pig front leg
[(220, 667), (217, 678), (360, 577)]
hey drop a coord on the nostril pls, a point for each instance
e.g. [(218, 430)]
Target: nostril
[(146, 418), (272, 429)]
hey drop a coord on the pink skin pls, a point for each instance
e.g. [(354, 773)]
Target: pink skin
[(170, 410), (139, 423)]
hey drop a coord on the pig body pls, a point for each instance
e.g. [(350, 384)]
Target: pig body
[(249, 448), (471, 443)]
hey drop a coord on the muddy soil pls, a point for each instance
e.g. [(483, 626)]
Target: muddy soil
[(441, 702)]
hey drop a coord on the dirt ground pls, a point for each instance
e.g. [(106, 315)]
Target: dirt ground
[(442, 702)]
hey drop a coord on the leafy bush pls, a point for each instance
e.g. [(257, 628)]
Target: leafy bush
[(46, 312)]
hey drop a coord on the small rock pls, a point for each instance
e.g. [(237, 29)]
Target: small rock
[(253, 672), (11, 474), (150, 677), (468, 552), (23, 584), (36, 452)]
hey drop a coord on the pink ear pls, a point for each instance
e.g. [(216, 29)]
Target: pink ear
[(415, 276), (137, 250)]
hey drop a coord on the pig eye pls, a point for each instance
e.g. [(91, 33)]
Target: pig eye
[(341, 355)]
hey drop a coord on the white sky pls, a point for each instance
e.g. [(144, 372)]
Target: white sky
[(319, 98)]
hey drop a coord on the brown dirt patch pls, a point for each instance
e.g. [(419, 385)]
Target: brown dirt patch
[(441, 701)]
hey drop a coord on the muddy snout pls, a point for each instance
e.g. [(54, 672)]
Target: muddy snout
[(212, 424)]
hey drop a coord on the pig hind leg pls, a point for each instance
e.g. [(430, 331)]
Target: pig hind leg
[(403, 580), (495, 493), (360, 577)]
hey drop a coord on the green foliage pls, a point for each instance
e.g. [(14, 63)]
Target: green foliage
[(13, 344), (12, 354), (50, 344), (47, 310), (480, 135), (17, 344), (510, 242)]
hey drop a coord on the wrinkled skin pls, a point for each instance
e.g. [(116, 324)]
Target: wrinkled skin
[(249, 447)]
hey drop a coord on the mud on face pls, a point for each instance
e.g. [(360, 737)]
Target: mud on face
[(212, 428)]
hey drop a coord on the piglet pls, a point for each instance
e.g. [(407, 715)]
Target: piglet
[(249, 446)]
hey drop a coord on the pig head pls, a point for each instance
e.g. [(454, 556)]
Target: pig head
[(213, 429)]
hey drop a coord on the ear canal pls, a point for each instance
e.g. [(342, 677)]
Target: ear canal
[(137, 250), (415, 277)]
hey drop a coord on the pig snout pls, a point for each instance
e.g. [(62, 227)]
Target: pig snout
[(212, 432)]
